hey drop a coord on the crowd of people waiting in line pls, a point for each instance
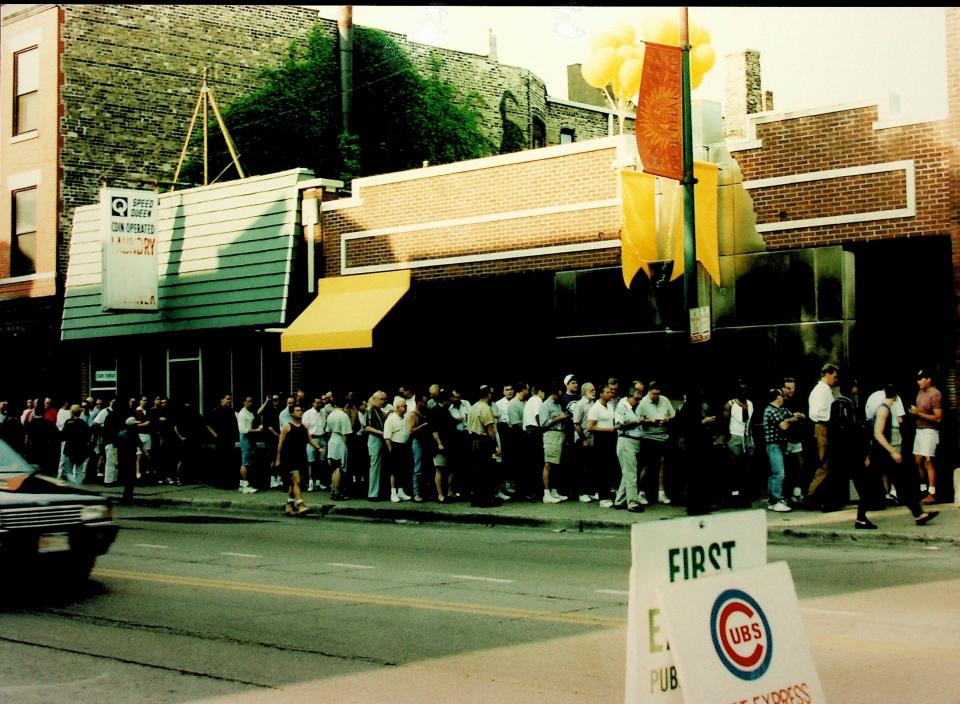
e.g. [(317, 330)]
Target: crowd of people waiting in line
[(597, 443)]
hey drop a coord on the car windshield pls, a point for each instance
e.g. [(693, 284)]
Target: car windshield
[(11, 462)]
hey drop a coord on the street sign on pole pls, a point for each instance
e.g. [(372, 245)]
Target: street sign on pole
[(700, 324)]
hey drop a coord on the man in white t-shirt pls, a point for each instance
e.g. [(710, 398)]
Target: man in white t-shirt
[(583, 445), (601, 423), (738, 412), (819, 403), (655, 412), (532, 435), (314, 420), (338, 426), (248, 443)]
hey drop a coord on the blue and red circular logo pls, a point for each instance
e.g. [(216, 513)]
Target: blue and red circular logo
[(741, 634)]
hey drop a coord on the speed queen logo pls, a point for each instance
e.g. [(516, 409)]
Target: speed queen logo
[(741, 634)]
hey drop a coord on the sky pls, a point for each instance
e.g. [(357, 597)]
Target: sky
[(809, 57)]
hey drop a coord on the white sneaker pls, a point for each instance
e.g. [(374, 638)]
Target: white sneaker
[(606, 503), (248, 490), (394, 498), (585, 498), (780, 507), (595, 497), (403, 495), (310, 485), (557, 495), (502, 496), (662, 497), (549, 498), (642, 498)]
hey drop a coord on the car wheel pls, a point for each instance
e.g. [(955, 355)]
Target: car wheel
[(79, 568)]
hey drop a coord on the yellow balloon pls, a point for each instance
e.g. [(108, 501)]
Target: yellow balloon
[(695, 80), (653, 27), (631, 72), (600, 67), (602, 38), (699, 35), (702, 59), (624, 32), (661, 30), (625, 51)]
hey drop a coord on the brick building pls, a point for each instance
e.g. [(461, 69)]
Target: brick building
[(513, 260), (93, 94)]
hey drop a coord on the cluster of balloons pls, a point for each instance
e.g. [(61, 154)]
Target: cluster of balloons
[(615, 64)]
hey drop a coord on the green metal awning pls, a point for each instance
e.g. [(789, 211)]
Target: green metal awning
[(225, 255)]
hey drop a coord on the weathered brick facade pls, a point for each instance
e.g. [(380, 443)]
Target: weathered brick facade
[(131, 74), (844, 140)]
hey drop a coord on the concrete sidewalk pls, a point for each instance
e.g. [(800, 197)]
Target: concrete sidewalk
[(895, 524)]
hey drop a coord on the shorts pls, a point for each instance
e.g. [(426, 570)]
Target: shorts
[(147, 441), (552, 447), (794, 448), (740, 445), (315, 455), (926, 441), (440, 459), (248, 451)]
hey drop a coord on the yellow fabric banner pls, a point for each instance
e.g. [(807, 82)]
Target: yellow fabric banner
[(638, 236), (705, 194)]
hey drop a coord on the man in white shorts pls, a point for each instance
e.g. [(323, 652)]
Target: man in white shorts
[(928, 412)]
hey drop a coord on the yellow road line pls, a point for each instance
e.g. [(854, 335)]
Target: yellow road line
[(372, 599)]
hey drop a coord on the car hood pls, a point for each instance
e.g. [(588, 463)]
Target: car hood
[(33, 488)]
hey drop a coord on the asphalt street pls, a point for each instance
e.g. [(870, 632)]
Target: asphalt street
[(208, 605)]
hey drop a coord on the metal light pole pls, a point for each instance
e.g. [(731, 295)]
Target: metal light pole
[(697, 501), (690, 297)]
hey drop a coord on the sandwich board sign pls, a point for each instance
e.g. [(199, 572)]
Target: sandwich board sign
[(669, 552), (739, 639)]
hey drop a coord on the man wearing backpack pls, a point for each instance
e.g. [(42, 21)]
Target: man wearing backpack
[(846, 446), (108, 423)]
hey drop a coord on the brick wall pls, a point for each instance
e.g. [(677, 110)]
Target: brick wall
[(419, 216), (131, 76), (841, 140)]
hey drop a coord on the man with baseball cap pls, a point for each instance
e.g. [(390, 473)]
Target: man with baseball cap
[(927, 413)]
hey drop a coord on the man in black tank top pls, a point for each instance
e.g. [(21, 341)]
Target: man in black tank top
[(885, 457), (292, 458)]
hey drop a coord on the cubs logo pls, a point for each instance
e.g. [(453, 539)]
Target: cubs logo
[(741, 634)]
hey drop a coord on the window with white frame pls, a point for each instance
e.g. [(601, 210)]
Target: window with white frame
[(26, 85), (23, 249)]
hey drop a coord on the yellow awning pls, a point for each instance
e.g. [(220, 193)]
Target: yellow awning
[(346, 310)]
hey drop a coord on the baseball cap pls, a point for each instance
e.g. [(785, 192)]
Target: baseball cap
[(132, 420), (568, 378), (75, 408), (924, 374)]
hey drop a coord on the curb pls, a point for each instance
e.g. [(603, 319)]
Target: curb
[(777, 534)]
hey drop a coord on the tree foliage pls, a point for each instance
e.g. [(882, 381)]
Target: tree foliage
[(399, 117)]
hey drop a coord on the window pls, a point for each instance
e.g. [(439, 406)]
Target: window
[(23, 255), (567, 135), (26, 83), (539, 133)]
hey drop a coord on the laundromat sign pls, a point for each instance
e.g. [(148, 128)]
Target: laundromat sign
[(128, 220)]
